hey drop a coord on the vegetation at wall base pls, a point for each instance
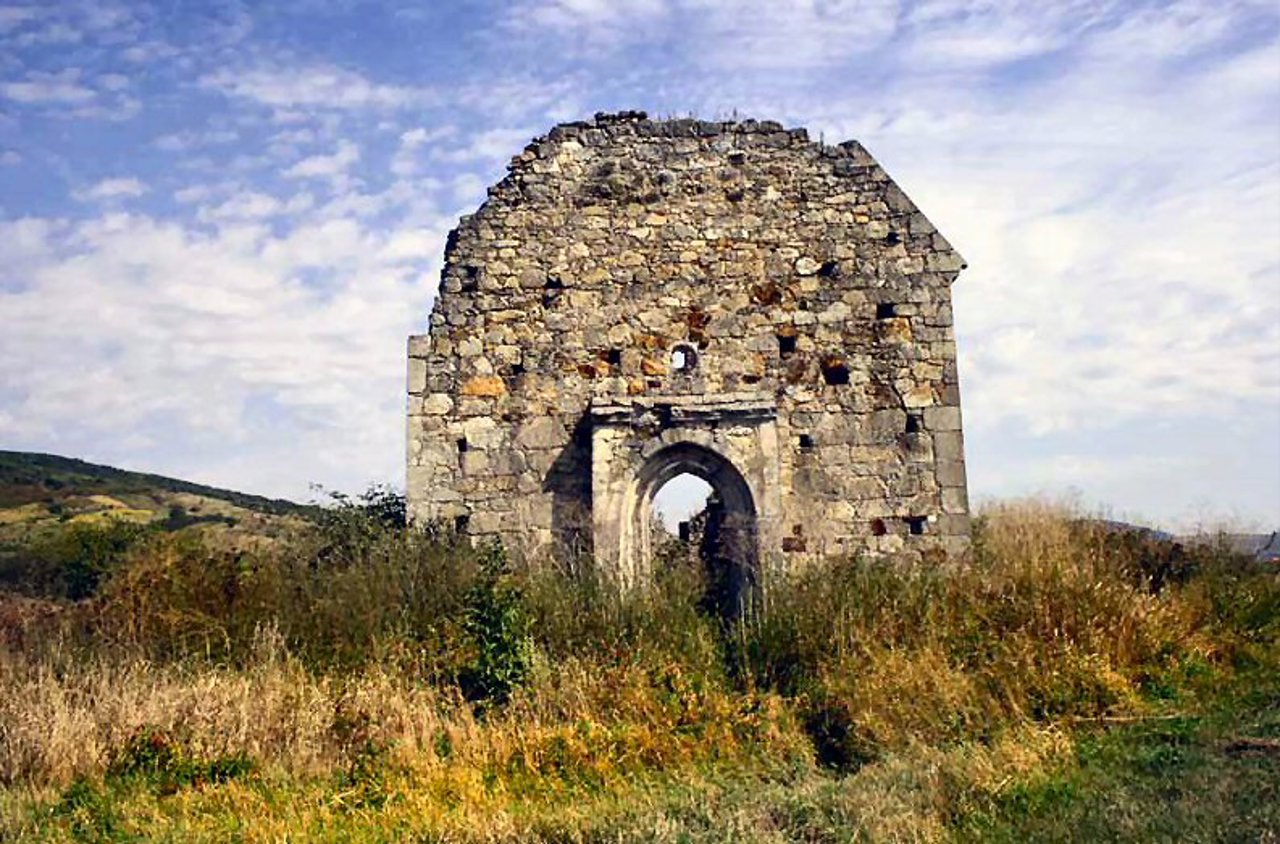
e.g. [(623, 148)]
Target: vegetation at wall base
[(365, 681)]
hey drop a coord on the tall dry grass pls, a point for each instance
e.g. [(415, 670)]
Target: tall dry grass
[(319, 660)]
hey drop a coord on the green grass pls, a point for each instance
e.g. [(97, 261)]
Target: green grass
[(1186, 777), (1211, 775), (1165, 778)]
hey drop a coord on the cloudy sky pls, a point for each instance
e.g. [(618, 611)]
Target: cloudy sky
[(219, 220)]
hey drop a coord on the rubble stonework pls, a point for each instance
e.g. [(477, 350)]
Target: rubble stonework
[(642, 298)]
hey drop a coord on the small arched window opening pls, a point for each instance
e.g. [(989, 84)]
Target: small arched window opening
[(683, 359)]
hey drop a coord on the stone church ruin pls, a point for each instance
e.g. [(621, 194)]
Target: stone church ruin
[(639, 299)]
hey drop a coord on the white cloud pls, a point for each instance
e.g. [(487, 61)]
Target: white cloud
[(334, 167), (188, 140), (54, 33), (10, 157), (293, 137), (253, 205), (56, 88), (286, 348), (575, 15), (68, 94), (491, 145), (193, 193), (468, 188), (744, 33), (146, 52), (112, 189), (11, 17), (407, 160), (947, 33), (112, 81), (314, 87)]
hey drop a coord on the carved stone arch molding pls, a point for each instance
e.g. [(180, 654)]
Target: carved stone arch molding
[(731, 442)]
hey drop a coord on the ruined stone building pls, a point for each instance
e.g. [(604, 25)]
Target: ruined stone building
[(639, 299)]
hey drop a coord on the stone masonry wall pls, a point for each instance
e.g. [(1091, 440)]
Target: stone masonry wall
[(778, 268)]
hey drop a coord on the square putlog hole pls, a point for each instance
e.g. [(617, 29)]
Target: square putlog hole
[(835, 371)]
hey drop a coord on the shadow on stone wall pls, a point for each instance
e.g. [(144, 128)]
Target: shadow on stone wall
[(569, 483)]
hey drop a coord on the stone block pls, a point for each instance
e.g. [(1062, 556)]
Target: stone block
[(417, 376), (542, 432), (884, 425), (484, 386), (942, 418), (948, 445), (474, 462), (420, 346), (955, 500), (950, 474), (482, 432), (437, 404)]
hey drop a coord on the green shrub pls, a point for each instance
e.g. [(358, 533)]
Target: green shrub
[(81, 556), (498, 628), (91, 812), (159, 760)]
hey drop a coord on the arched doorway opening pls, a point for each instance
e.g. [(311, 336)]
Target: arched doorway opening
[(726, 540)]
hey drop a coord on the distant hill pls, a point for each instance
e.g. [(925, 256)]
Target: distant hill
[(43, 496), (1261, 546), (27, 477)]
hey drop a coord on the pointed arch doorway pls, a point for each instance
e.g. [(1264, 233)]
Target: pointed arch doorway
[(638, 446), (728, 544)]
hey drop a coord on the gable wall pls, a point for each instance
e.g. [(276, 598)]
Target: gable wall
[(613, 241)]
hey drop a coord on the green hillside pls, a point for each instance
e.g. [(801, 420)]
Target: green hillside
[(27, 477), (59, 511)]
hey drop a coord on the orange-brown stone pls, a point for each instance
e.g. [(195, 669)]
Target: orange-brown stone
[(653, 366), (484, 386)]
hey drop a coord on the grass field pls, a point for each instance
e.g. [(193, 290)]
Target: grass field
[(368, 683)]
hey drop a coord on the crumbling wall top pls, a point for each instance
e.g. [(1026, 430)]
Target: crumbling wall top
[(730, 137)]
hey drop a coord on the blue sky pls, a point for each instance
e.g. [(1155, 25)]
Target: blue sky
[(219, 220)]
